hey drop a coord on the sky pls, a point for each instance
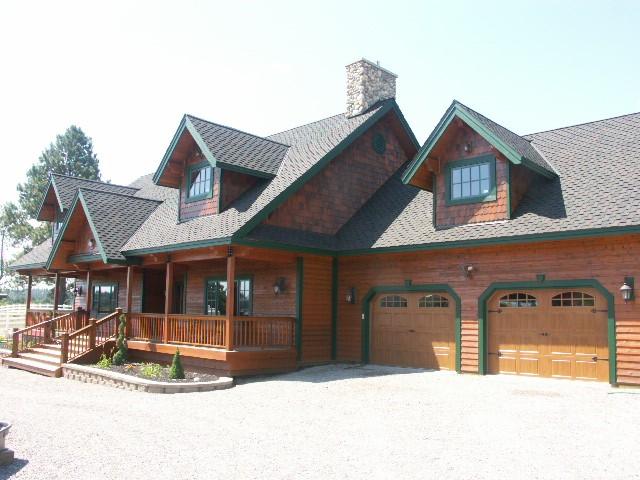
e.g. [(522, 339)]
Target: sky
[(126, 72)]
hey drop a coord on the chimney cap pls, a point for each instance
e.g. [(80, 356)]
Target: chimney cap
[(373, 64)]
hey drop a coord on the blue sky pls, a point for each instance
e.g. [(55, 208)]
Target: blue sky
[(127, 71)]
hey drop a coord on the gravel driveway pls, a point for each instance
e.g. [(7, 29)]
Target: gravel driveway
[(325, 422)]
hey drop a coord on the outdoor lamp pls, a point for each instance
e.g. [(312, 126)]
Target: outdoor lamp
[(92, 243), (350, 296), (278, 287), (77, 291), (626, 291)]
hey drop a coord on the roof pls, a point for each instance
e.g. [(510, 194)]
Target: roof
[(67, 186), (598, 166), (310, 146), (517, 149), (35, 258)]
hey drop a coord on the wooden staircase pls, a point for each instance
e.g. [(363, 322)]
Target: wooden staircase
[(37, 349), (45, 360)]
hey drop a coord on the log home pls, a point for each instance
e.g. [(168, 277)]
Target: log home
[(482, 251)]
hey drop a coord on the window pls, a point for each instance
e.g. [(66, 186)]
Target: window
[(393, 301), (433, 301), (199, 182), (472, 180), (573, 299), (518, 300), (104, 299), (56, 225), (216, 297)]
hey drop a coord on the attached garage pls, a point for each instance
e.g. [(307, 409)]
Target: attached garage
[(560, 333), (414, 329)]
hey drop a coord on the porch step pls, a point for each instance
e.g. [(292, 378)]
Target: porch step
[(33, 366), (47, 358), (43, 350)]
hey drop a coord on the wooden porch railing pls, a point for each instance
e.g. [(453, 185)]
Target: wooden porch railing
[(31, 337), (39, 315), (95, 334), (209, 330)]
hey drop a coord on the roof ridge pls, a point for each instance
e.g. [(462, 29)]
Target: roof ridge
[(118, 194), (583, 123), (374, 106), (93, 181), (491, 120), (236, 130)]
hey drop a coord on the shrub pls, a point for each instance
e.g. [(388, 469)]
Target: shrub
[(104, 362), (121, 355), (151, 370), (176, 371)]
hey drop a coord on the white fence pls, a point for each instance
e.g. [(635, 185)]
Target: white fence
[(13, 316)]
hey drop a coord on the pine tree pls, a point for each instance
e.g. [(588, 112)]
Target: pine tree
[(121, 355), (176, 371)]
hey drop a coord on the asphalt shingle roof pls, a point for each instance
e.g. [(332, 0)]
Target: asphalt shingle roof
[(116, 218), (67, 187), (234, 148), (38, 255)]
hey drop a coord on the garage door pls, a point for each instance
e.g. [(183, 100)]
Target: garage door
[(549, 333), (413, 330)]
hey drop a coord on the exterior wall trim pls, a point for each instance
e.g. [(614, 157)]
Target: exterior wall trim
[(546, 284), (299, 296), (431, 288)]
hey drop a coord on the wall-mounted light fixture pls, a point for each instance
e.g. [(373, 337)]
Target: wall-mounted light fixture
[(77, 291), (626, 290), (468, 270), (350, 296), (467, 147), (91, 243), (278, 287)]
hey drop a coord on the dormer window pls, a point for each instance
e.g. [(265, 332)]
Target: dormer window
[(471, 180), (199, 182)]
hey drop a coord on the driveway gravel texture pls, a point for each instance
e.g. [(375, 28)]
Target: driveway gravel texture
[(338, 421)]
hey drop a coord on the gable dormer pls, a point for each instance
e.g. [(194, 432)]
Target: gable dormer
[(476, 169), (212, 165)]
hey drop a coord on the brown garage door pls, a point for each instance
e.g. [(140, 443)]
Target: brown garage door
[(549, 333), (413, 330)]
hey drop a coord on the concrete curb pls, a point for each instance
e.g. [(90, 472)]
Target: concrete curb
[(98, 376)]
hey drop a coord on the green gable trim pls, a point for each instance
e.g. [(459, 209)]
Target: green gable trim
[(299, 297), (56, 244), (483, 315), (453, 112), (489, 197), (83, 258), (51, 184), (283, 246), (323, 162), (215, 242), (428, 288)]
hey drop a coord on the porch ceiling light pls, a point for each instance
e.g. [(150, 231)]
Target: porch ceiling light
[(278, 287), (626, 291)]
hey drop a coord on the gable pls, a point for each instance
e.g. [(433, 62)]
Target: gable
[(515, 148), (329, 199)]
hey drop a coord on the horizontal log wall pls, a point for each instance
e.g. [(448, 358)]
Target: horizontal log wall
[(120, 277), (316, 310), (606, 259)]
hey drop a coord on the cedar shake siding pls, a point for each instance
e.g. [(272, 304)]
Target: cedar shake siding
[(603, 259), (329, 200), (234, 184), (481, 211), (199, 208)]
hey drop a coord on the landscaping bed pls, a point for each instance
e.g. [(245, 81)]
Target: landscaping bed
[(154, 371)]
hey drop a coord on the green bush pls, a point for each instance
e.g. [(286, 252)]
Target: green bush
[(104, 362), (121, 355), (176, 371), (151, 370)]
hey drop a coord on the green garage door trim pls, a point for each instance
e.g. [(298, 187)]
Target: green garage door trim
[(483, 314), (434, 288)]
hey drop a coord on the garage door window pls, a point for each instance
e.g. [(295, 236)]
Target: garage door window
[(573, 299), (433, 301), (518, 300), (393, 301)]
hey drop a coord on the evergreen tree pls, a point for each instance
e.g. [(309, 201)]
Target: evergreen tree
[(176, 371), (121, 343)]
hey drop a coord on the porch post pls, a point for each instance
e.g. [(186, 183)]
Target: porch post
[(129, 288), (231, 298), (89, 295), (168, 300), (56, 294), (29, 285)]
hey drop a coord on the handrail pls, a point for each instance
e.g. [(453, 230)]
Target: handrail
[(82, 341), (33, 335)]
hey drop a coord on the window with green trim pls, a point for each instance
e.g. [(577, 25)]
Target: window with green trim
[(199, 182), (216, 296), (471, 180)]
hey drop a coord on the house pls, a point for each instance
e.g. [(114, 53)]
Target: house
[(482, 251)]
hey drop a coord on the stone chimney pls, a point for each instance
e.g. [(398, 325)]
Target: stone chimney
[(367, 83)]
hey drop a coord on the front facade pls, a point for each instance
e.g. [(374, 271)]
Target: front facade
[(343, 240)]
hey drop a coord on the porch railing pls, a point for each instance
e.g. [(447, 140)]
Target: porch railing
[(46, 330), (209, 330), (95, 334), (39, 315)]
